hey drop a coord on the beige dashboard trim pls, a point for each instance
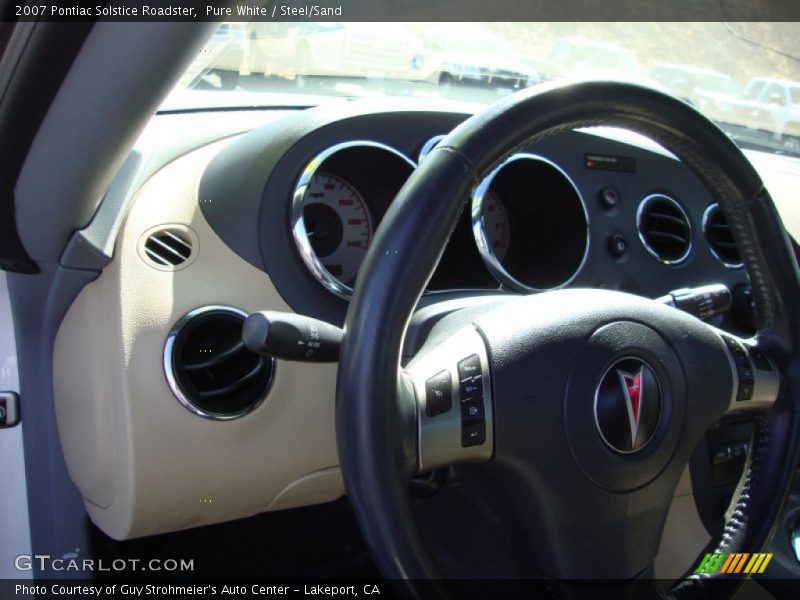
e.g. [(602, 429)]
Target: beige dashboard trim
[(143, 463), (684, 534)]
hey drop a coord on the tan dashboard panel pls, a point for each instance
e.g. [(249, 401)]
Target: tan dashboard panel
[(684, 535), (142, 461)]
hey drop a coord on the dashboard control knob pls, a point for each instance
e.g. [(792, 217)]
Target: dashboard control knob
[(618, 245), (608, 197)]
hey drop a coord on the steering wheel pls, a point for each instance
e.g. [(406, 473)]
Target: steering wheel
[(584, 404)]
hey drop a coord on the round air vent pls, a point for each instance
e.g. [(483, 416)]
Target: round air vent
[(719, 237), (664, 229), (168, 248), (210, 370)]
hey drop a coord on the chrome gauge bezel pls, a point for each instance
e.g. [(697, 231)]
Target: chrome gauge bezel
[(490, 259), (299, 233), (707, 214), (428, 146)]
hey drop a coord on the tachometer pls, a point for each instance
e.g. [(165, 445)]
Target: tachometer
[(338, 225)]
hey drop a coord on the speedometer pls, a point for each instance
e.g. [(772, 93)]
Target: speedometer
[(338, 225)]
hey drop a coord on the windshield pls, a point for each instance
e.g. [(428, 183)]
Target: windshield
[(741, 75), (719, 83)]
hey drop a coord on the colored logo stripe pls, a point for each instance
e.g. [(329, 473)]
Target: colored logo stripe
[(734, 563), (758, 563)]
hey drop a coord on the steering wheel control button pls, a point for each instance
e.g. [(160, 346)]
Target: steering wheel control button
[(470, 379), (455, 415), (758, 380), (438, 394), (472, 410), (469, 367), (760, 360), (737, 350), (628, 405), (745, 391), (471, 388), (744, 367), (618, 245), (473, 434)]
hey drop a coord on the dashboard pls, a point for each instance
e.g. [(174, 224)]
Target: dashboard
[(234, 212), (591, 208)]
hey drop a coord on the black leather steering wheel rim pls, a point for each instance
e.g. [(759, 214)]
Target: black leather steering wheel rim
[(376, 449)]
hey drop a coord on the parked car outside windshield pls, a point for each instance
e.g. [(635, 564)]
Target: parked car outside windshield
[(744, 76)]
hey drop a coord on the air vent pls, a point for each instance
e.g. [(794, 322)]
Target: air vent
[(168, 248), (664, 229), (720, 238), (208, 367)]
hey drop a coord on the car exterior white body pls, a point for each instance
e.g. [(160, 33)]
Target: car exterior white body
[(15, 539)]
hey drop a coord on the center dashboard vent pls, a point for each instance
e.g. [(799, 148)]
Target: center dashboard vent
[(664, 229), (210, 370), (720, 238)]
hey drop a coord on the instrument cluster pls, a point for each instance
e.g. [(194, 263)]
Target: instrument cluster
[(525, 228), (304, 197)]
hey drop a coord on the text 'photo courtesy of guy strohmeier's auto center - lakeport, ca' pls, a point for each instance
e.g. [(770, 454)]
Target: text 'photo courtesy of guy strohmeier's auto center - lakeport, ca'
[(400, 299)]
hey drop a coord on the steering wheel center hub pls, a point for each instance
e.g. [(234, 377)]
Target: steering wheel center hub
[(627, 405), (624, 405)]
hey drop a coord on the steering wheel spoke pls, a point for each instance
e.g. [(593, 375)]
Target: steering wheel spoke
[(450, 380)]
